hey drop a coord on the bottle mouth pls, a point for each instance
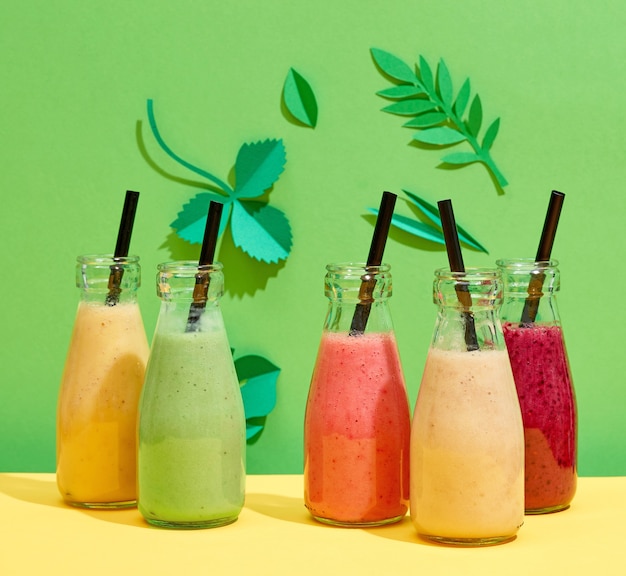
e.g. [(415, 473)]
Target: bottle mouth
[(105, 260), (472, 274), (186, 267), (526, 264)]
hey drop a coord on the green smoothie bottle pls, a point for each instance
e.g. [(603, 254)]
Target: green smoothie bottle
[(191, 463)]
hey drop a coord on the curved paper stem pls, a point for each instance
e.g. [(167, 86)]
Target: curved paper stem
[(220, 183)]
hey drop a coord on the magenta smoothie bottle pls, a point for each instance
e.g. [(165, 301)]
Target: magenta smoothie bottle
[(357, 426), (534, 338)]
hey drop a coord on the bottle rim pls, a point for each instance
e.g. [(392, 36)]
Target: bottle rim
[(526, 263), (188, 266), (473, 272), (106, 259), (358, 267)]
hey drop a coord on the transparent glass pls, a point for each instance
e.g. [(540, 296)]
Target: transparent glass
[(101, 385), (467, 439), (534, 338), (357, 422), (192, 424)]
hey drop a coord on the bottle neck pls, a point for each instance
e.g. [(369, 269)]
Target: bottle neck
[(107, 280), (358, 298)]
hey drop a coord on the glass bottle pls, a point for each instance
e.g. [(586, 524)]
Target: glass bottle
[(534, 338), (357, 423), (191, 424), (467, 440), (101, 386)]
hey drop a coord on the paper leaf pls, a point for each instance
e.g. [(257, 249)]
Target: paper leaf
[(257, 378), (299, 98), (414, 227), (410, 107), (460, 158), (400, 91), (432, 213), (261, 231), (475, 116), (426, 120), (490, 134), (444, 83), (191, 221), (426, 75), (440, 136), (393, 66), (257, 167), (462, 98)]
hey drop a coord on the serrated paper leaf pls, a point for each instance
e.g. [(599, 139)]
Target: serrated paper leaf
[(475, 116), (444, 83), (261, 231), (439, 136), (432, 213), (427, 75), (490, 134), (393, 66), (426, 120), (299, 98), (400, 91), (191, 220), (410, 107), (257, 167), (460, 158), (462, 99)]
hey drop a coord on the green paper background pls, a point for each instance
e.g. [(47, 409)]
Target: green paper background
[(74, 79)]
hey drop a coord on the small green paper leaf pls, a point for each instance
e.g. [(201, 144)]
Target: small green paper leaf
[(410, 107), (257, 167), (261, 231), (299, 98), (393, 66), (490, 134), (475, 116), (462, 99), (400, 91), (427, 75), (432, 213), (191, 220), (414, 227), (426, 120), (439, 136), (460, 158), (444, 83)]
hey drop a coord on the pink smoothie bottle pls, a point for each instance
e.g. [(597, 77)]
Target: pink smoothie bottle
[(357, 423), (534, 338)]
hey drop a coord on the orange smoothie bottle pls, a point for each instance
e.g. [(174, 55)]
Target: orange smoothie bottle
[(357, 423), (101, 386)]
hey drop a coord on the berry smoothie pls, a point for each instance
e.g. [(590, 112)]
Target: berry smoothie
[(357, 430), (192, 430), (467, 449), (97, 408), (542, 376)]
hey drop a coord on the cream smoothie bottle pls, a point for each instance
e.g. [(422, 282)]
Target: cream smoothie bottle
[(467, 442), (357, 423), (534, 339), (100, 388), (192, 426)]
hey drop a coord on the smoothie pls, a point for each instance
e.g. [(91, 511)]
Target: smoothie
[(192, 430), (98, 402), (546, 396), (357, 431), (467, 449)]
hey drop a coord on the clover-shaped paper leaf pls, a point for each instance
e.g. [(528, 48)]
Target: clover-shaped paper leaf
[(299, 98), (257, 377), (257, 167), (191, 220), (261, 231)]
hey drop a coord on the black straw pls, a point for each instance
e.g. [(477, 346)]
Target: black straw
[(535, 286), (374, 258), (207, 253), (455, 259), (121, 247)]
